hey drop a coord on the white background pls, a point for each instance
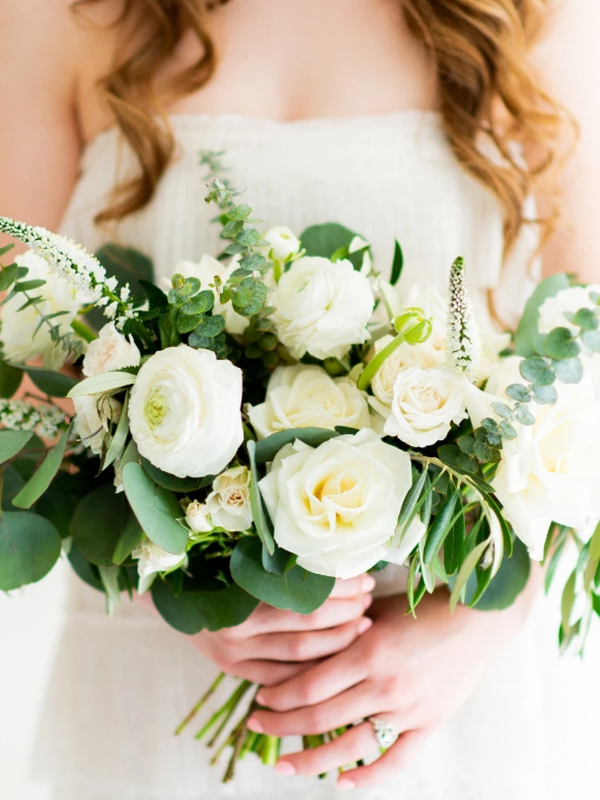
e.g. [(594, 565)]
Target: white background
[(30, 622)]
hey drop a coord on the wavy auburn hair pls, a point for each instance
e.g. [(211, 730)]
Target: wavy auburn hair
[(485, 84)]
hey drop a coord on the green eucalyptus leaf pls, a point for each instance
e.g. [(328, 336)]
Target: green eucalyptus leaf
[(51, 383), (29, 547), (324, 240), (42, 478), (586, 319), (12, 442), (131, 537), (524, 416), (545, 395), (503, 410), (192, 612), (569, 371), (267, 449), (296, 590), (98, 523), (528, 326), (173, 483), (508, 583), (10, 378), (508, 430), (156, 508), (591, 340), (518, 392), (242, 212), (560, 344), (538, 371)]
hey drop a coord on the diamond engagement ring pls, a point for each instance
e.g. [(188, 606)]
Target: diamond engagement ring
[(385, 733)]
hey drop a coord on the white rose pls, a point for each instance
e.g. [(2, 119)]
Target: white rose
[(306, 396), (425, 403), (426, 355), (197, 518), (229, 502), (336, 506), (185, 411), (20, 340), (153, 559), (93, 415), (549, 472), (552, 310), (110, 351), (504, 374), (322, 307), (206, 270), (283, 243)]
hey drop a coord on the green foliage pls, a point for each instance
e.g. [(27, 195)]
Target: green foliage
[(54, 384), (42, 478), (331, 239), (98, 523), (507, 584), (261, 519), (156, 508), (397, 264), (296, 590), (29, 547), (131, 537), (10, 378), (528, 326), (267, 449), (12, 442), (190, 313), (192, 612), (441, 527), (173, 483), (102, 383)]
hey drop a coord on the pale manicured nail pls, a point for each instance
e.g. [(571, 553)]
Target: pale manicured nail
[(364, 625), (285, 768), (345, 783), (260, 699), (255, 725), (368, 599), (368, 584)]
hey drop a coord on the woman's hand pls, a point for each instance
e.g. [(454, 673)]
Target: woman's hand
[(272, 645), (414, 673)]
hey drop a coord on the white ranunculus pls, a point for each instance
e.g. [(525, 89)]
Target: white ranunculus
[(322, 307), (549, 473), (425, 403), (552, 310), (197, 517), (93, 415), (336, 506), (425, 355), (152, 559), (229, 502), (283, 243), (110, 351), (184, 411), (206, 270), (307, 397), (20, 342)]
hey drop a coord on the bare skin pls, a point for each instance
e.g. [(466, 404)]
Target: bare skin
[(317, 58)]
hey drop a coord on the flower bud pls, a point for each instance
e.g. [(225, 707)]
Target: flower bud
[(408, 319), (283, 243), (420, 333), (197, 518)]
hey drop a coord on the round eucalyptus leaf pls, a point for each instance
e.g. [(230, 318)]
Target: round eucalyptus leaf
[(537, 370), (569, 370), (560, 344), (509, 581), (98, 523), (29, 547)]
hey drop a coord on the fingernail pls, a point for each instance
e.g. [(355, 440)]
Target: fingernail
[(255, 725), (285, 768), (368, 584), (261, 699), (368, 599), (345, 783), (364, 624)]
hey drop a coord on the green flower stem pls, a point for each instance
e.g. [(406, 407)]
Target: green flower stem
[(277, 270), (82, 330), (373, 367), (233, 703), (211, 690), (270, 752)]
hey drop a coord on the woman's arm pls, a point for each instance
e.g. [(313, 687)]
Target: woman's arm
[(569, 61), (39, 140)]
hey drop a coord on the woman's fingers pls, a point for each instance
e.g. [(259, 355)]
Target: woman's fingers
[(324, 681), (333, 612), (267, 673), (390, 763), (352, 587), (342, 710), (358, 742), (307, 645)]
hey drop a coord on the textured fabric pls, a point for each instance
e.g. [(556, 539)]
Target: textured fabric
[(120, 686)]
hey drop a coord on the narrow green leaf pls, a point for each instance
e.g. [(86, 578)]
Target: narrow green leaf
[(440, 527), (397, 264), (267, 449), (453, 545), (42, 478), (410, 501), (117, 443), (568, 601), (8, 276), (12, 442), (105, 382), (259, 515), (173, 483), (156, 508), (27, 286), (468, 566)]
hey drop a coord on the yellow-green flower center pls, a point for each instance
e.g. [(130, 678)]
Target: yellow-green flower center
[(156, 408)]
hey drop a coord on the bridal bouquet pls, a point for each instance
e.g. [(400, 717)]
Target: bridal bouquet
[(282, 416)]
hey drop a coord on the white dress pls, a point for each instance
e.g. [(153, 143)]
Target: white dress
[(121, 685)]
